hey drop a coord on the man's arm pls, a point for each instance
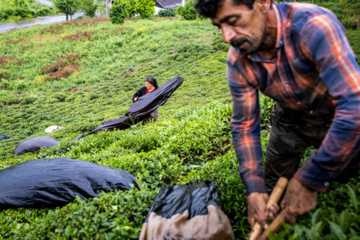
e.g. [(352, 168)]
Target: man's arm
[(245, 127), (323, 42)]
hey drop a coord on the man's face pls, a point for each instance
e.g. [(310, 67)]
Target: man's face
[(242, 27)]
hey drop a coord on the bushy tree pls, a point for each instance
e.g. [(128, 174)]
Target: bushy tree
[(90, 7), (118, 12), (188, 11), (145, 7), (130, 7), (69, 7)]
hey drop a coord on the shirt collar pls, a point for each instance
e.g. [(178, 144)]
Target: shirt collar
[(279, 32)]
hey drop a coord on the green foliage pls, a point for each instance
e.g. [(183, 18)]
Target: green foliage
[(130, 7), (188, 11), (171, 12), (16, 14), (117, 215), (219, 44), (19, 3), (12, 101), (90, 7), (337, 216), (347, 11), (68, 7), (145, 8), (118, 12), (28, 100)]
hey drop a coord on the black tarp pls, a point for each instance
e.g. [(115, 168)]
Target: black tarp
[(56, 182), (193, 196), (34, 144), (190, 211), (142, 107)]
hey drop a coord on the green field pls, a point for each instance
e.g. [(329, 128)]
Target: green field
[(78, 74)]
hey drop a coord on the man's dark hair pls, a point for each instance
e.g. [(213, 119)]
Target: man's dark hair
[(208, 8)]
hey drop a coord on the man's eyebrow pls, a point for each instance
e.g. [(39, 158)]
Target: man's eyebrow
[(224, 19)]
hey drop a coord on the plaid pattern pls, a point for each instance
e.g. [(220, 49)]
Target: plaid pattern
[(315, 73)]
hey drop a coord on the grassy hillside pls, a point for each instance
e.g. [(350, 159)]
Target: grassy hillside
[(78, 74)]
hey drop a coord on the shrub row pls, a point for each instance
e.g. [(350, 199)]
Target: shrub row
[(23, 13), (171, 12), (191, 145)]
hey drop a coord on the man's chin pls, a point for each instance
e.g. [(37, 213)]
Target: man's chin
[(245, 52)]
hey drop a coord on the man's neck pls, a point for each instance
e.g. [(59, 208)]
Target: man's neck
[(267, 48)]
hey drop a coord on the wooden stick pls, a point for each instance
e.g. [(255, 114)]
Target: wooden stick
[(274, 198), (274, 226)]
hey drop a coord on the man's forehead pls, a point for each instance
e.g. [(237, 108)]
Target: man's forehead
[(228, 10)]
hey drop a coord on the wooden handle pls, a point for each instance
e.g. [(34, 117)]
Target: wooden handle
[(274, 226), (274, 198)]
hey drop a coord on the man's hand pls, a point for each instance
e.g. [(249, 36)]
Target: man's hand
[(135, 99), (298, 200), (257, 207)]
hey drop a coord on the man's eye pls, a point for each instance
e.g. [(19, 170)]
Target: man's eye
[(232, 21)]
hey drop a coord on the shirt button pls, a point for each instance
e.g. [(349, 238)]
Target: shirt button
[(326, 184), (286, 85), (298, 102), (281, 42), (311, 112)]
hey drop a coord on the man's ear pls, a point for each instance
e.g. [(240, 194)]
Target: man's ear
[(263, 5)]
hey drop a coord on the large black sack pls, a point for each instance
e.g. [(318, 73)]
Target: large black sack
[(56, 182), (141, 108), (115, 123), (151, 101), (34, 144), (190, 211)]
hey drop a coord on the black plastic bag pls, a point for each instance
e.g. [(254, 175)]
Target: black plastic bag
[(34, 144), (56, 182), (190, 211), (115, 123), (141, 108), (194, 197)]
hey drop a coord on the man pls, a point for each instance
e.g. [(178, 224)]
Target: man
[(298, 55)]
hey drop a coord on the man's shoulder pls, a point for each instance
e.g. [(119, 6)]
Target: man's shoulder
[(295, 15)]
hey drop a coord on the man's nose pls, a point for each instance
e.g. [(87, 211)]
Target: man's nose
[(228, 33)]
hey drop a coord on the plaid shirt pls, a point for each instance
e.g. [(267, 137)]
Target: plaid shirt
[(315, 73)]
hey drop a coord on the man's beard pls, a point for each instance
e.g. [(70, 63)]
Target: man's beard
[(239, 41), (252, 41)]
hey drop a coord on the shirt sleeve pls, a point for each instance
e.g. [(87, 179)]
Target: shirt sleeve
[(245, 128), (323, 41), (138, 94)]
